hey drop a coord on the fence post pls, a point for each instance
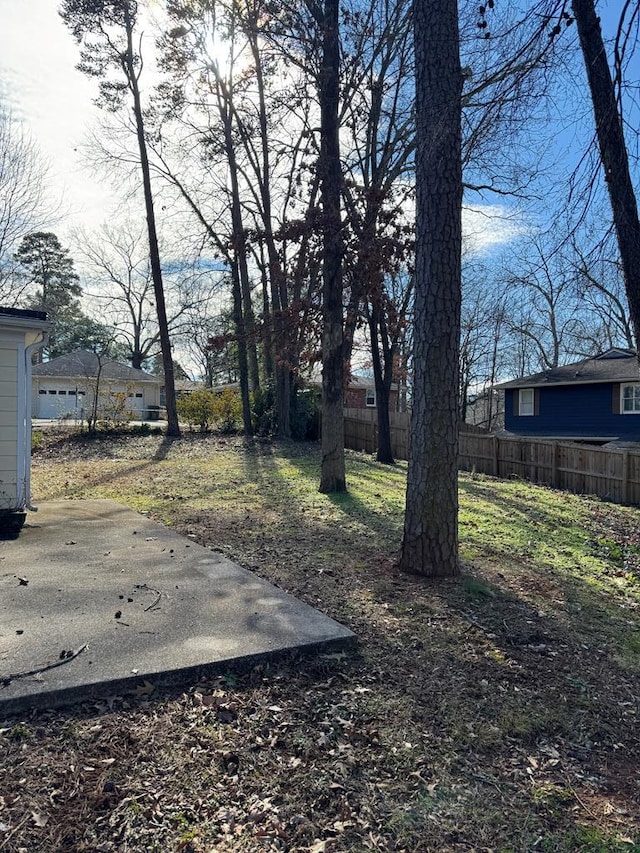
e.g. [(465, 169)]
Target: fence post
[(625, 476), (555, 465), (496, 456)]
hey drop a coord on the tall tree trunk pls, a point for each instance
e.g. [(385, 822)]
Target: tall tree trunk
[(382, 375), (173, 428), (613, 153), (240, 255), (243, 363), (430, 542), (332, 473), (267, 332), (282, 322)]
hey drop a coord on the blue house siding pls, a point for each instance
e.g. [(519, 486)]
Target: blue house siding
[(572, 410)]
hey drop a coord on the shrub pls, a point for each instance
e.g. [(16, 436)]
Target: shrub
[(205, 407), (198, 408), (145, 429), (305, 416), (263, 411), (227, 410)]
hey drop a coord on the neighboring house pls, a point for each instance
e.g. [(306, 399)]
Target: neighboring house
[(184, 387), (65, 387), (597, 399), (22, 333), (361, 394)]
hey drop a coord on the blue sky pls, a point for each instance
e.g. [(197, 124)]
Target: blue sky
[(39, 81)]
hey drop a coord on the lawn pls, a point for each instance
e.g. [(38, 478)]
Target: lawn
[(495, 712)]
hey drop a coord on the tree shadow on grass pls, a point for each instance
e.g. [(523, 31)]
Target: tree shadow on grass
[(507, 707)]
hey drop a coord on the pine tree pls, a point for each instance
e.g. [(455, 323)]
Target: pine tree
[(49, 267)]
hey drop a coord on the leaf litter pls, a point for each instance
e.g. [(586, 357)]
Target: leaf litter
[(495, 713)]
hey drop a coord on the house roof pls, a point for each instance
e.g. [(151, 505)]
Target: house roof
[(23, 319), (84, 364), (614, 365), (23, 313)]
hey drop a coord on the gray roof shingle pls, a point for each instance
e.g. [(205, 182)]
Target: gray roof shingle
[(615, 365), (84, 364)]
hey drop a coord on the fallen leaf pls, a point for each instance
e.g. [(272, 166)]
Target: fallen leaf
[(226, 714), (23, 582), (145, 689), (40, 820), (318, 847)]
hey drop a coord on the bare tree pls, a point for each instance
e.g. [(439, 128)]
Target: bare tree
[(332, 472), (612, 146), (481, 339), (599, 287), (542, 304), (106, 29), (24, 206), (116, 260), (247, 117), (430, 541), (378, 125)]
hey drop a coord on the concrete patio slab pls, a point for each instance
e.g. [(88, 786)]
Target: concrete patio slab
[(97, 600)]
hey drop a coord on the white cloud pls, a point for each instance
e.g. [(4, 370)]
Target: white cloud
[(487, 226)]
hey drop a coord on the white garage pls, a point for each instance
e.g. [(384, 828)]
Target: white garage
[(71, 385)]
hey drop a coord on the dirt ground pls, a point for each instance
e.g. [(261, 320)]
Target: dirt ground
[(493, 712)]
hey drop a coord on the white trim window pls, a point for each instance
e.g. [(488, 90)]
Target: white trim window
[(630, 399), (370, 397), (526, 402)]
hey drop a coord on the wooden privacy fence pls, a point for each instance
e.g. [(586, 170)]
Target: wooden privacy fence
[(610, 473), (361, 431)]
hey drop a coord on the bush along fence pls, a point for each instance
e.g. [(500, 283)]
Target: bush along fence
[(609, 473)]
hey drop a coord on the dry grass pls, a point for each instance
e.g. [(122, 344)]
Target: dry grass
[(498, 712)]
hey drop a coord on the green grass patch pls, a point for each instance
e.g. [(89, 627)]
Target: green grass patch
[(494, 711)]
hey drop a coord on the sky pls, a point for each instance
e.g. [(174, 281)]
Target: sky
[(40, 83)]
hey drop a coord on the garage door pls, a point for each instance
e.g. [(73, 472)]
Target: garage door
[(135, 403), (57, 402)]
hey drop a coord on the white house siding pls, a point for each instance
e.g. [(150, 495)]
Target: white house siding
[(8, 423)]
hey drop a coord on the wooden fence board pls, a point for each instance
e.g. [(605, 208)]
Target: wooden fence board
[(608, 472)]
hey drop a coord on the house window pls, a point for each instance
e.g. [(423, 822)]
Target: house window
[(370, 397), (51, 392), (42, 391), (139, 396), (62, 392), (630, 399), (526, 402)]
